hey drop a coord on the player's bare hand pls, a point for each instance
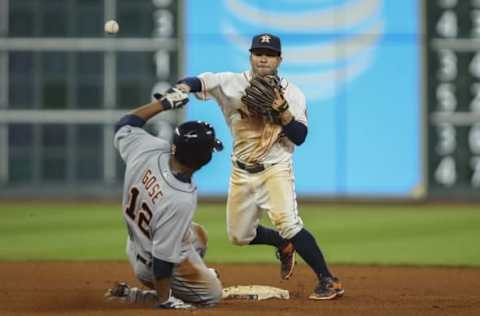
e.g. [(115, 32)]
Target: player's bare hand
[(279, 103), (173, 98)]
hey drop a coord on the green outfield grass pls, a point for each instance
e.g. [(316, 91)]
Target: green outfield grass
[(397, 235)]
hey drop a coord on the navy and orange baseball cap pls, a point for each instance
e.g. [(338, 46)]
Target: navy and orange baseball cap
[(266, 41)]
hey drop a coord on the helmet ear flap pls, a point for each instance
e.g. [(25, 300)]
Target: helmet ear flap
[(193, 156)]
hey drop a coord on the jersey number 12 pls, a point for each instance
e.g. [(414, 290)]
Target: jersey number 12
[(141, 216)]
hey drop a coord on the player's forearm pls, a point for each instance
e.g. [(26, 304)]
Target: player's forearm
[(139, 116), (162, 271), (162, 286), (147, 111)]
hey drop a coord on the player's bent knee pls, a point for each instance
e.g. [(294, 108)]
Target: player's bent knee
[(288, 232), (213, 300), (200, 239), (200, 233), (216, 296), (212, 294), (238, 241)]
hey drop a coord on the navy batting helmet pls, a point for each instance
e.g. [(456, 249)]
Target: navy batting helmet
[(194, 142)]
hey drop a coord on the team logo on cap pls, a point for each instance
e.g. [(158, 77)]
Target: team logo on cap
[(265, 39)]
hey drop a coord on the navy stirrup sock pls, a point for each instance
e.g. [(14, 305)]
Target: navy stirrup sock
[(267, 236), (307, 248)]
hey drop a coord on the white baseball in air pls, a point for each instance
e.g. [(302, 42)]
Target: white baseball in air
[(112, 27)]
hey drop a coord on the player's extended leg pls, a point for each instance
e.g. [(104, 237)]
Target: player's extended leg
[(279, 199), (306, 246)]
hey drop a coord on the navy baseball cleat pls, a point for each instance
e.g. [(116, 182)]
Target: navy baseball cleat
[(327, 289), (286, 255)]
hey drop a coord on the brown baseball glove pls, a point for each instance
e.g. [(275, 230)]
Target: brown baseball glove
[(264, 97)]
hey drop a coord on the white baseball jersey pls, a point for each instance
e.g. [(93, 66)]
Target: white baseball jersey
[(252, 142), (158, 208), (257, 141)]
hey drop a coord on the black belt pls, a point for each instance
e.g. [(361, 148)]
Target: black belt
[(144, 261), (255, 168)]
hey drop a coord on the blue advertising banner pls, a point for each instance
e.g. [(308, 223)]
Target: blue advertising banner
[(358, 63)]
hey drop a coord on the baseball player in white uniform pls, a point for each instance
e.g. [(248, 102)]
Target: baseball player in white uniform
[(262, 176), (159, 199)]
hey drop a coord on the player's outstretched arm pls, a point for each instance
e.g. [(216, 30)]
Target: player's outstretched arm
[(172, 99), (140, 115), (149, 110)]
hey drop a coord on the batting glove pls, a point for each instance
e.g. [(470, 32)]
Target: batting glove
[(174, 303), (131, 295), (173, 98)]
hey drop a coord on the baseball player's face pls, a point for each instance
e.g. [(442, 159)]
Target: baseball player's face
[(264, 62)]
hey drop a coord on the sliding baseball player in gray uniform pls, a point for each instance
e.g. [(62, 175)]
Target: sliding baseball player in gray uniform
[(159, 200)]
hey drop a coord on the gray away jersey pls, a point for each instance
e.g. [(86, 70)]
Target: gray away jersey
[(157, 207)]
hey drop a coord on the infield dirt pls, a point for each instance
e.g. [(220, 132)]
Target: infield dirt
[(77, 288)]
